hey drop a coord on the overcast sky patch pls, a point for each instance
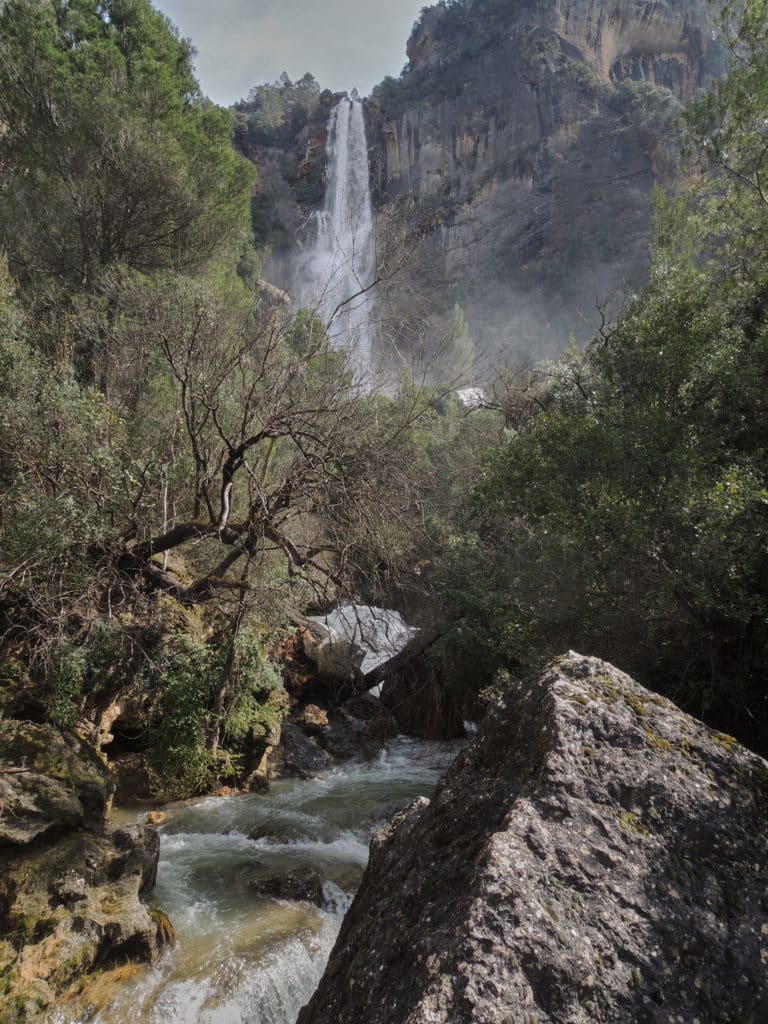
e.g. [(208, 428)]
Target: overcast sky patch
[(345, 44)]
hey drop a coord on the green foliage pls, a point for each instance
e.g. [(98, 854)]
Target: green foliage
[(60, 467), (268, 229), (167, 426), (186, 675), (257, 700), (626, 511), (68, 671), (275, 113), (107, 156), (626, 514), (644, 106), (183, 675)]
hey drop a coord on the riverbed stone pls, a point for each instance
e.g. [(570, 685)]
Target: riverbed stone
[(302, 885), (594, 856), (298, 756), (358, 728)]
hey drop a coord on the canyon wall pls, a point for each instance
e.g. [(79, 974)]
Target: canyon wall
[(525, 139)]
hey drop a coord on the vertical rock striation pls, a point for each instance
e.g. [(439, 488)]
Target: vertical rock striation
[(529, 137)]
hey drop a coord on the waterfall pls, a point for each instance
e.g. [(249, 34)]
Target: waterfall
[(341, 263)]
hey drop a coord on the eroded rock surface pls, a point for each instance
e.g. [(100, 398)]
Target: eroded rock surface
[(48, 781), (71, 890), (595, 855)]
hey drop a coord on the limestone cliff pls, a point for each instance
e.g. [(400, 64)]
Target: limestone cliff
[(595, 856), (530, 136)]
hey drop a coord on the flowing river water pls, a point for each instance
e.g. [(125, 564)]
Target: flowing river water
[(241, 959)]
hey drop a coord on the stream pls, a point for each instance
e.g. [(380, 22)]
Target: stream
[(242, 959)]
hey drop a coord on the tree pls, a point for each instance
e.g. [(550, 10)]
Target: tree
[(279, 449), (106, 155), (625, 512)]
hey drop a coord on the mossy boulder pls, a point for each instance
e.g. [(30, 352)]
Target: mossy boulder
[(71, 891), (49, 781), (70, 907)]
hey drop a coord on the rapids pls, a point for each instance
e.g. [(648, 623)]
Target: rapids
[(240, 959)]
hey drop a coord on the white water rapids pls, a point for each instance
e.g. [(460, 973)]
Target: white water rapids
[(338, 270), (241, 959)]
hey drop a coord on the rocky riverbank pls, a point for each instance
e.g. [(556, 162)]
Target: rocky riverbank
[(72, 890)]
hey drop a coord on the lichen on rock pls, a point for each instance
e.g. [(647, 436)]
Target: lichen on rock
[(72, 891), (595, 855)]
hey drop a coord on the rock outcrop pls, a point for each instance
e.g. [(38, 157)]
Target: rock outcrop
[(316, 738), (71, 890), (595, 855), (528, 137), (49, 782)]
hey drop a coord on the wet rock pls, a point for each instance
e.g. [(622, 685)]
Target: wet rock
[(312, 719), (386, 812), (258, 781), (71, 892), (318, 737), (302, 885), (49, 782), (594, 855), (298, 756), (359, 728)]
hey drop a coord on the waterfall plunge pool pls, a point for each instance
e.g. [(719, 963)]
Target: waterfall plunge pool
[(240, 959)]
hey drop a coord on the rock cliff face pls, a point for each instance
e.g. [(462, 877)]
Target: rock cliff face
[(594, 855), (529, 137)]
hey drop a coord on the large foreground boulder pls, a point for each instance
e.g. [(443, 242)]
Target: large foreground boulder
[(595, 855)]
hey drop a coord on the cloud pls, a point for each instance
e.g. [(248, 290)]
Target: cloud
[(344, 43)]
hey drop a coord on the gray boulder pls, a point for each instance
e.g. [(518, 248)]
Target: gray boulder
[(595, 855)]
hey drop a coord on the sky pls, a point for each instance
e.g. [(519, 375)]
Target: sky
[(345, 44)]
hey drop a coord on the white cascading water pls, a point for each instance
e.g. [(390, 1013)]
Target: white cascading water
[(243, 958), (338, 272)]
